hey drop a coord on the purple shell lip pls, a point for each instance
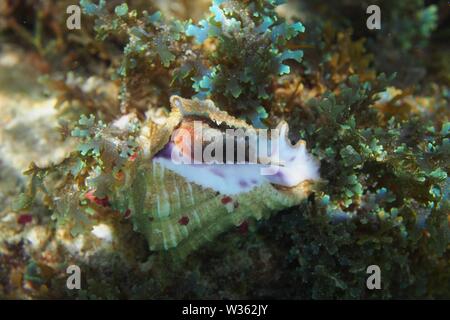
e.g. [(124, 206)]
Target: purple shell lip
[(243, 183), (165, 152), (217, 172)]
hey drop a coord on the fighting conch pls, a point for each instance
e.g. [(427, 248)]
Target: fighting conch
[(203, 171)]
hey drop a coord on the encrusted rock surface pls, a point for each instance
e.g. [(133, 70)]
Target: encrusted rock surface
[(32, 253)]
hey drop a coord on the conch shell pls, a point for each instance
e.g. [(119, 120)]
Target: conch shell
[(183, 206)]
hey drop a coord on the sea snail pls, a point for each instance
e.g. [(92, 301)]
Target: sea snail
[(191, 184)]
